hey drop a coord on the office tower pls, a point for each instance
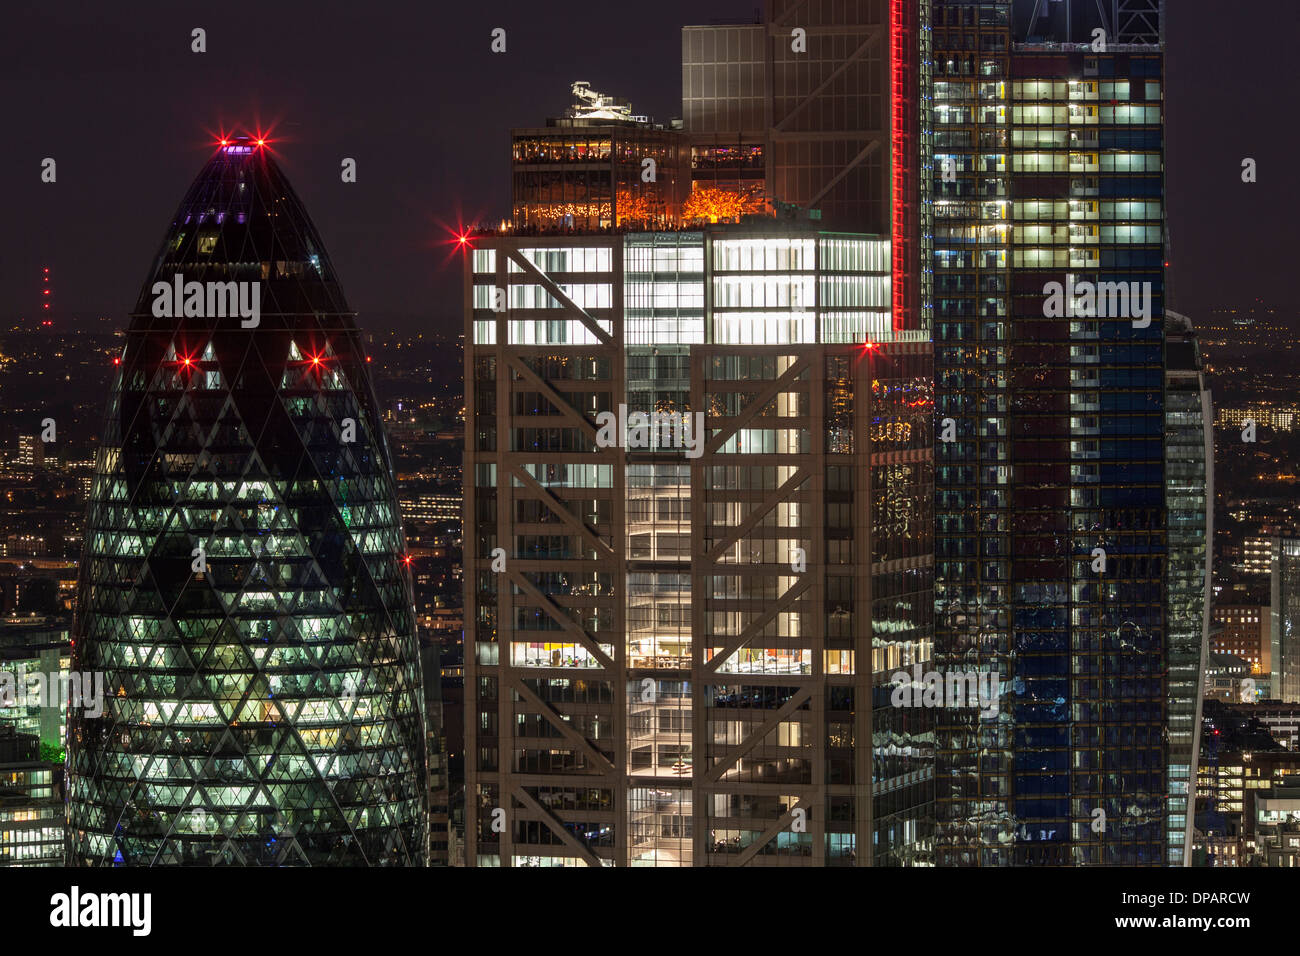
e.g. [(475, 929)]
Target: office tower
[(244, 587), (1244, 630), (677, 655), (33, 705), (597, 167), (31, 802), (1189, 500), (33, 655), (1050, 540), (825, 103), (680, 646), (725, 107), (1258, 550), (1284, 635)]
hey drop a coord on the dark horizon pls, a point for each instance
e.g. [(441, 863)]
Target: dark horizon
[(423, 105)]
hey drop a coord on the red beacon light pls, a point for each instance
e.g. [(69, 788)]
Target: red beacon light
[(239, 145)]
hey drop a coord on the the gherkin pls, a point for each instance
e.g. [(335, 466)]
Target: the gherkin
[(244, 588)]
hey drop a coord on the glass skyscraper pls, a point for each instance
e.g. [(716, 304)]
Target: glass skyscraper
[(1189, 495), (244, 587), (1285, 623), (1051, 543)]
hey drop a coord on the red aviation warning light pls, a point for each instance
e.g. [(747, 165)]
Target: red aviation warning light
[(241, 145), (45, 293)]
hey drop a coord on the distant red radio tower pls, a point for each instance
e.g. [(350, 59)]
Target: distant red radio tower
[(46, 321)]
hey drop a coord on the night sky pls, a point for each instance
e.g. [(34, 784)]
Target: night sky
[(412, 91)]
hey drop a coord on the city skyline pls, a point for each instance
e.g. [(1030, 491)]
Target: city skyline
[(850, 433)]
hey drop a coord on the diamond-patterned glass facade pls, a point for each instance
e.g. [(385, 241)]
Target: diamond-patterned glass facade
[(244, 587)]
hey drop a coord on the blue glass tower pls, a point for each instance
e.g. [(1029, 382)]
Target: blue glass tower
[(1051, 521)]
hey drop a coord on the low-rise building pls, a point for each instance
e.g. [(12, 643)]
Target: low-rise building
[(31, 803)]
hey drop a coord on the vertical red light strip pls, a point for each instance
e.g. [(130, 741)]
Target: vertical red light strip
[(903, 179)]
